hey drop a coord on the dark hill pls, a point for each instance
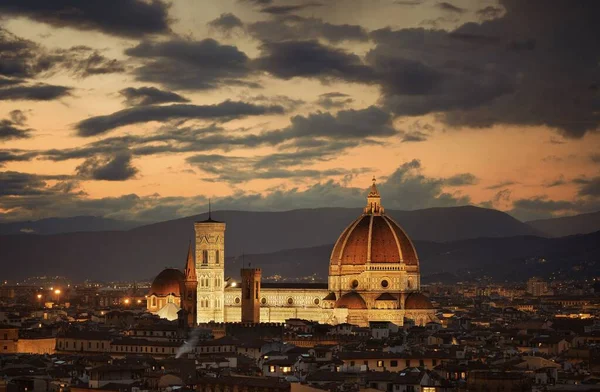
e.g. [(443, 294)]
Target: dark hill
[(144, 251), (569, 225), (512, 258)]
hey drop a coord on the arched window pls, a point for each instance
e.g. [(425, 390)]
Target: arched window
[(205, 256), (217, 256)]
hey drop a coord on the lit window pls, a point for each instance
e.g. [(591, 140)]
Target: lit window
[(379, 363)]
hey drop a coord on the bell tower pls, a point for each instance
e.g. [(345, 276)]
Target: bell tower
[(210, 269)]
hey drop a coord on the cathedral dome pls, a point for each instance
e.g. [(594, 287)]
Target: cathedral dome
[(351, 300), (417, 301), (374, 237), (168, 282)]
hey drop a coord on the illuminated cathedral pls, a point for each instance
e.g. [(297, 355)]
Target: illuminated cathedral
[(373, 276)]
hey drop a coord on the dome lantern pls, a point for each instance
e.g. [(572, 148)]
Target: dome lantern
[(374, 201)]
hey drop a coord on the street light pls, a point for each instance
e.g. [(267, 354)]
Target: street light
[(57, 292)]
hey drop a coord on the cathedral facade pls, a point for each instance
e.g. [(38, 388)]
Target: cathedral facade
[(374, 275)]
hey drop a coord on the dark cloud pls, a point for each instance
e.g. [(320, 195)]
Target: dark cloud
[(10, 81), (461, 179), (589, 187), (311, 59), (235, 169), (489, 12), (22, 58), (81, 61), (127, 18), (13, 128), (595, 158), (223, 111), (114, 168), (300, 28), (28, 196), (10, 130), (557, 182), (414, 136), (445, 6), (35, 92), (191, 65), (15, 155), (226, 23), (149, 96), (288, 9), (417, 132), (508, 70), (334, 100), (502, 184)]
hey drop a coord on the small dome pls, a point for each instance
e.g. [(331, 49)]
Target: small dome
[(167, 282), (417, 301), (351, 300)]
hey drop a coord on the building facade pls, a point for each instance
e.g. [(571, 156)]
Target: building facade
[(374, 275)]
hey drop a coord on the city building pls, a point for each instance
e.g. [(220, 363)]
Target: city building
[(374, 275)]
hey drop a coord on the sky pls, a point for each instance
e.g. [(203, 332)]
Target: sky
[(143, 110)]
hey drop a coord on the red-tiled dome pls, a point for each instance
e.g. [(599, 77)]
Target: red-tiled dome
[(351, 300), (373, 237), (417, 301), (168, 282)]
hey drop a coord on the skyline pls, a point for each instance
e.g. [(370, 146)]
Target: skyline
[(274, 105)]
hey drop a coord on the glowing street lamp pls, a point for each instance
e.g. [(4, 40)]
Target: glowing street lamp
[(126, 301), (57, 292)]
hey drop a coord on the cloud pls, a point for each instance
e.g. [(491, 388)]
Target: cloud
[(149, 96), (301, 28), (226, 23), (288, 9), (81, 61), (417, 132), (311, 59), (21, 58), (191, 65), (115, 168), (489, 12), (125, 18), (334, 100), (28, 196), (235, 169), (588, 187), (445, 6), (557, 182), (13, 128), (223, 111), (595, 158), (461, 179), (502, 184), (35, 92), (505, 71), (15, 155)]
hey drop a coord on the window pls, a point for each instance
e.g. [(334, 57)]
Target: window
[(271, 369), (217, 256), (421, 363), (384, 283), (236, 300), (316, 301), (393, 363), (434, 362), (351, 363), (408, 363), (204, 256), (255, 290), (379, 363), (354, 284), (247, 289), (290, 301), (263, 301)]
